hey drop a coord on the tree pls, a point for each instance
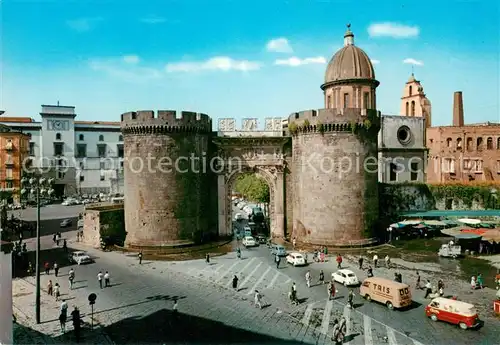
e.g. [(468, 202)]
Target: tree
[(253, 188)]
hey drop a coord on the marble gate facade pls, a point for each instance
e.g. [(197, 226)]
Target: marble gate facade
[(250, 150)]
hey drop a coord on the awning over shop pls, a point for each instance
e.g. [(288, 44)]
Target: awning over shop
[(470, 221), (410, 222), (435, 223), (467, 236), (452, 213)]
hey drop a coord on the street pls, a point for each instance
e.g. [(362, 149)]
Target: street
[(137, 307)]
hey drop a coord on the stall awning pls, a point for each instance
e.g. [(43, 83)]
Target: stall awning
[(434, 223), (470, 221)]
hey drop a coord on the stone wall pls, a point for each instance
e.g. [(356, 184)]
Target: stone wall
[(103, 221), (396, 198)]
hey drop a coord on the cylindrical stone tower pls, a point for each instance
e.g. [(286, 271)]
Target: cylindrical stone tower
[(334, 172), (166, 177)]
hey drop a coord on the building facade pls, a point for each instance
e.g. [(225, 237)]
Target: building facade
[(83, 157), (14, 148), (463, 152)]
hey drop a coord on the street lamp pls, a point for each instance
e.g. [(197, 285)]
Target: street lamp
[(37, 186)]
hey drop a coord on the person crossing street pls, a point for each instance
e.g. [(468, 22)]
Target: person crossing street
[(71, 278), (99, 278), (321, 279), (308, 279), (277, 259)]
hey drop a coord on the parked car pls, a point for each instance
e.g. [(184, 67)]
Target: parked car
[(345, 277), (249, 241), (296, 259), (80, 258), (66, 223)]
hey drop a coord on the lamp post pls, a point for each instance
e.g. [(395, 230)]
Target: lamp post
[(37, 186)]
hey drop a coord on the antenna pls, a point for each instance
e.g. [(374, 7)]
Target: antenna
[(412, 68)]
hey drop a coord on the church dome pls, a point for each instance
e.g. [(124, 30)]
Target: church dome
[(349, 63)]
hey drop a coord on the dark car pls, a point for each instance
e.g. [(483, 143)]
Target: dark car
[(262, 239)]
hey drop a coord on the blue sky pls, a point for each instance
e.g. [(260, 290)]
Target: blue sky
[(241, 59)]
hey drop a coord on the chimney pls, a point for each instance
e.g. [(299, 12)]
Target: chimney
[(458, 109)]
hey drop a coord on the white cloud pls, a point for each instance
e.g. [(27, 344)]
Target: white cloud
[(83, 24), (131, 59), (126, 70), (375, 62), (393, 30), (279, 45), (218, 63), (295, 61), (411, 61)]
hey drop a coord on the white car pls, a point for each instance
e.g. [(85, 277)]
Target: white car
[(80, 258), (345, 277), (296, 259), (249, 241)]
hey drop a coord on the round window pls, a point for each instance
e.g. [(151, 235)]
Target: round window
[(404, 135)]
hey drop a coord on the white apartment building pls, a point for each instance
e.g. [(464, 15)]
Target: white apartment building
[(84, 157)]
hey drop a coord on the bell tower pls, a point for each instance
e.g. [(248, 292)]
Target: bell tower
[(414, 101)]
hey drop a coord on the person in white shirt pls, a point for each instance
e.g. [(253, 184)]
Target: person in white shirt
[(308, 279), (375, 260), (63, 315), (99, 278), (106, 279)]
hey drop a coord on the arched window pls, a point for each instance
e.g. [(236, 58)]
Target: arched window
[(459, 143), (58, 136), (120, 138), (101, 137), (80, 137), (407, 108), (469, 144), (412, 108), (489, 143), (411, 90), (498, 143), (479, 143), (448, 142)]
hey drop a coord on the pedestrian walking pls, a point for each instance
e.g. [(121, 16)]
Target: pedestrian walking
[(321, 279), (58, 238), (375, 260), (387, 261), (65, 246), (106, 279), (54, 238), (428, 288), (50, 288), (339, 261), (294, 243), (71, 278), (396, 277), (63, 315), (360, 261), (77, 323), (277, 260), (350, 299), (369, 272), (257, 299), (308, 279), (235, 282), (207, 258), (174, 307), (47, 268), (99, 278), (337, 336), (480, 282), (56, 269), (417, 285), (57, 291), (140, 258), (331, 290), (400, 277), (343, 326)]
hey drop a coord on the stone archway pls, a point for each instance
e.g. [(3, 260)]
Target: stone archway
[(262, 156)]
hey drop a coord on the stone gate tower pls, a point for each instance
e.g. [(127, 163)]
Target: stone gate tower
[(167, 181), (334, 155)]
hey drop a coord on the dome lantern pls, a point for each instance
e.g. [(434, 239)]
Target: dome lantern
[(348, 37)]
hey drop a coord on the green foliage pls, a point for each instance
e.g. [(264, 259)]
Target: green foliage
[(306, 124), (369, 131), (320, 127), (293, 128), (253, 188), (468, 193), (113, 226)]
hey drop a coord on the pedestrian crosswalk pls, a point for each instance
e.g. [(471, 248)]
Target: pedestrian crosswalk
[(361, 329), (253, 273)]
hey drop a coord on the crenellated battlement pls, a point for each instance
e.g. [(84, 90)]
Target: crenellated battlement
[(324, 116), (332, 120), (149, 122)]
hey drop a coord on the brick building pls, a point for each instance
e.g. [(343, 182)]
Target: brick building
[(14, 156), (463, 152)]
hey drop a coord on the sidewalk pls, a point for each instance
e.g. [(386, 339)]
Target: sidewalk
[(26, 331)]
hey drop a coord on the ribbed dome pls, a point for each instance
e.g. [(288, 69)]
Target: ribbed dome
[(350, 62)]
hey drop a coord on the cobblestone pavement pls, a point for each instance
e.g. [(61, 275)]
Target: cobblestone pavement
[(137, 308)]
